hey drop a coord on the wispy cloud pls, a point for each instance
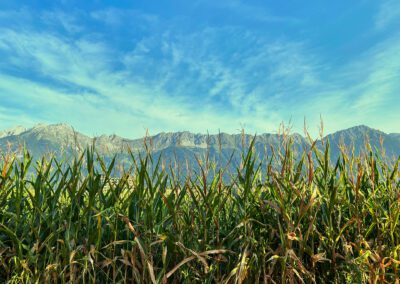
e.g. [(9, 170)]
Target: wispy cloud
[(67, 21), (249, 11), (117, 17), (85, 81), (366, 90), (389, 13), (166, 78)]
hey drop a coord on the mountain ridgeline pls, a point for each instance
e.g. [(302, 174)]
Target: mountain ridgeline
[(185, 149)]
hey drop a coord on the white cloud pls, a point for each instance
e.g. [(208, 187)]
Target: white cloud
[(213, 78), (248, 11), (366, 90), (124, 102), (389, 13), (118, 17), (68, 21)]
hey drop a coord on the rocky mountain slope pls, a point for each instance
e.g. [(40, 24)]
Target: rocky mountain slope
[(357, 138), (184, 147)]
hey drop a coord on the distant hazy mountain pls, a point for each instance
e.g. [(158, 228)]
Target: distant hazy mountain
[(388, 144), (42, 139), (12, 131), (395, 136), (183, 147)]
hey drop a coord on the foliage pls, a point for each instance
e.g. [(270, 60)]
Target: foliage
[(307, 220)]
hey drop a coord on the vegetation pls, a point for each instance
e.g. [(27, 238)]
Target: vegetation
[(307, 220)]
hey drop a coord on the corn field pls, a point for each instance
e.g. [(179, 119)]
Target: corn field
[(282, 220)]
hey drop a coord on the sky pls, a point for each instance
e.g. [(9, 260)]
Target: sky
[(122, 67)]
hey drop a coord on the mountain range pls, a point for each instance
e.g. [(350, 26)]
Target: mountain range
[(185, 147)]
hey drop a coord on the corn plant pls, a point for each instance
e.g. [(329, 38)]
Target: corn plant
[(286, 219)]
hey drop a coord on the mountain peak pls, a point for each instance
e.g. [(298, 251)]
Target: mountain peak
[(39, 125), (357, 131), (362, 127), (42, 137), (12, 131), (59, 128)]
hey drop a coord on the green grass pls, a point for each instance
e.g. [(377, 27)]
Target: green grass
[(308, 220)]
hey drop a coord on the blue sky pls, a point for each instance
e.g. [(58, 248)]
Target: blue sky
[(202, 65)]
